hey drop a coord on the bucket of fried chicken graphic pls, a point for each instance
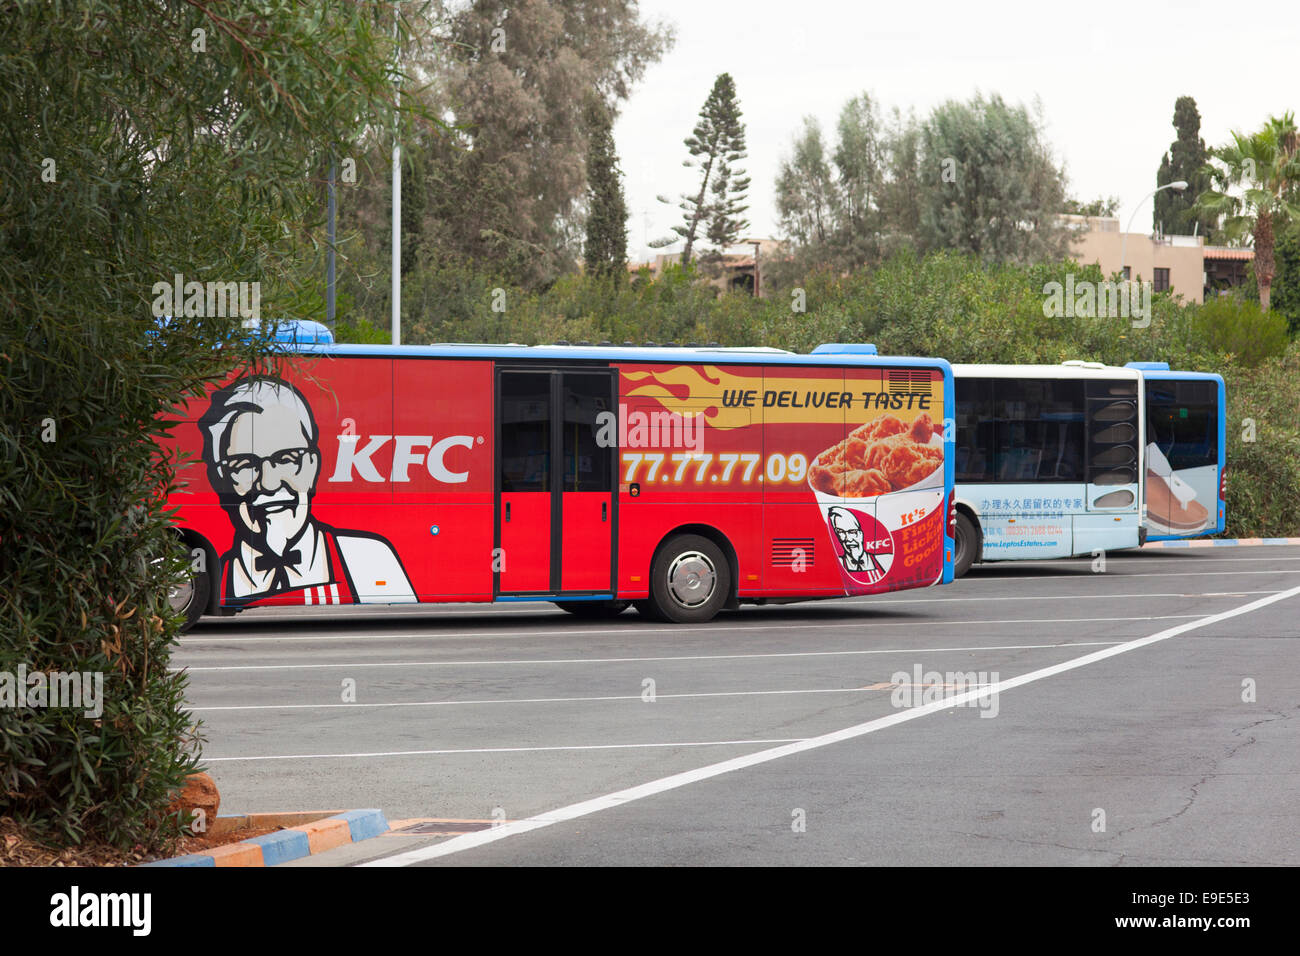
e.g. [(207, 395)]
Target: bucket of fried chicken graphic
[(883, 475)]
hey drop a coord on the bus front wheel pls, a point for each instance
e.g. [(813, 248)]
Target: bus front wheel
[(191, 597), (689, 581), (968, 543)]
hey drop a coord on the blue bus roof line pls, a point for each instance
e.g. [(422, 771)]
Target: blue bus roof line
[(1160, 375), (663, 355)]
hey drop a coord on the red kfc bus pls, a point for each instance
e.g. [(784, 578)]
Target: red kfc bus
[(681, 480)]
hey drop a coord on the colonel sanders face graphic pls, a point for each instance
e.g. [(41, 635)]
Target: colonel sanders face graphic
[(856, 558), (260, 442), (849, 532)]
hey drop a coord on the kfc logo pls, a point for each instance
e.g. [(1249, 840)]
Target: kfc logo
[(406, 452), (260, 443), (861, 556)]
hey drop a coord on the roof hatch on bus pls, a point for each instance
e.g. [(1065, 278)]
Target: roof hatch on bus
[(845, 348)]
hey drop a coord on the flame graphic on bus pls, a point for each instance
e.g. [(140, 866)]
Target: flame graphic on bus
[(688, 391)]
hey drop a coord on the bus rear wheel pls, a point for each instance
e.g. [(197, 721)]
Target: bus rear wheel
[(689, 581), (593, 609), (968, 544)]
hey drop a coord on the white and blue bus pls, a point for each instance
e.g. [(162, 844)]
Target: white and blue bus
[(1049, 461), (1186, 452)]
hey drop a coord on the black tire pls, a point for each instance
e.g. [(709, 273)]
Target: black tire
[(593, 609), (690, 581), (968, 544), (192, 599)]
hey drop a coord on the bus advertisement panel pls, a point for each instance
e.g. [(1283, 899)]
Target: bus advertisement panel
[(682, 480), (1186, 452), (1047, 461), (848, 465)]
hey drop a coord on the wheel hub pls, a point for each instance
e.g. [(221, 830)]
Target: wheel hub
[(691, 579)]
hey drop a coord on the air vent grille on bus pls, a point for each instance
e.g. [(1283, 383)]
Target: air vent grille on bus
[(1112, 436), (789, 552), (909, 381)]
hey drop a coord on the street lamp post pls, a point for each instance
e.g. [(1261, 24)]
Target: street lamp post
[(1177, 186)]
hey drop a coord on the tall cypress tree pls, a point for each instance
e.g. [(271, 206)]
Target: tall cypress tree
[(605, 251), (1185, 160)]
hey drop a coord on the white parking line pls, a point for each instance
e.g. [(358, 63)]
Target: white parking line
[(650, 660), (623, 797), (509, 750), (703, 628), (553, 700), (436, 611)]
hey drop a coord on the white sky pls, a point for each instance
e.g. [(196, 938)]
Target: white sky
[(1106, 72)]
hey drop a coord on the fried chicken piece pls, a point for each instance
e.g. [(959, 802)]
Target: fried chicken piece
[(882, 449), (833, 456), (880, 428), (908, 464), (826, 480), (864, 483), (922, 429), (855, 455)]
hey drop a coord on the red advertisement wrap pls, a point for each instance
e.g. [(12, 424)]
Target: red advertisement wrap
[(848, 464), (377, 479), (344, 480)]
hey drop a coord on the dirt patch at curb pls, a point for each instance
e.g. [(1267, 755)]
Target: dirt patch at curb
[(19, 848)]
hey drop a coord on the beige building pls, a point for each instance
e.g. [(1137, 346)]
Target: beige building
[(742, 266), (1184, 265)]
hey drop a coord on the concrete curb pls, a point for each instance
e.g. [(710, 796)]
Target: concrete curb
[(1222, 543), (304, 834)]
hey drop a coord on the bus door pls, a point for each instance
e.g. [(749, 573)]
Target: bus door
[(556, 457)]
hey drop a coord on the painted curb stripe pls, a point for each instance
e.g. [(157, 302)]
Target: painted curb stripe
[(292, 843), (365, 824), (282, 846), (1223, 543)]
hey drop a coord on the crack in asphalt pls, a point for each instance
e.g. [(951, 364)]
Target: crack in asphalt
[(1210, 774)]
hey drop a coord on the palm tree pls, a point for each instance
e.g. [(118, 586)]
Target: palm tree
[(1267, 165)]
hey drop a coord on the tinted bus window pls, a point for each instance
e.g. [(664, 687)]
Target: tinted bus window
[(1183, 421), (975, 426), (1040, 429), (1015, 430), (587, 466), (525, 431)]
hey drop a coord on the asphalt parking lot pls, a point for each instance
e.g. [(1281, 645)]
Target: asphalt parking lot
[(839, 732)]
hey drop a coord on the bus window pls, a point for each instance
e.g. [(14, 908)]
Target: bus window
[(975, 426), (587, 466), (1039, 429), (1182, 420), (525, 431)]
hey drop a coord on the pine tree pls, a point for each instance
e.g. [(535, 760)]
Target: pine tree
[(605, 251), (717, 143), (1185, 160)]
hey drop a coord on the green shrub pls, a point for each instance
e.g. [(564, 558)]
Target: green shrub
[(1229, 326), (128, 159), (1264, 474)]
